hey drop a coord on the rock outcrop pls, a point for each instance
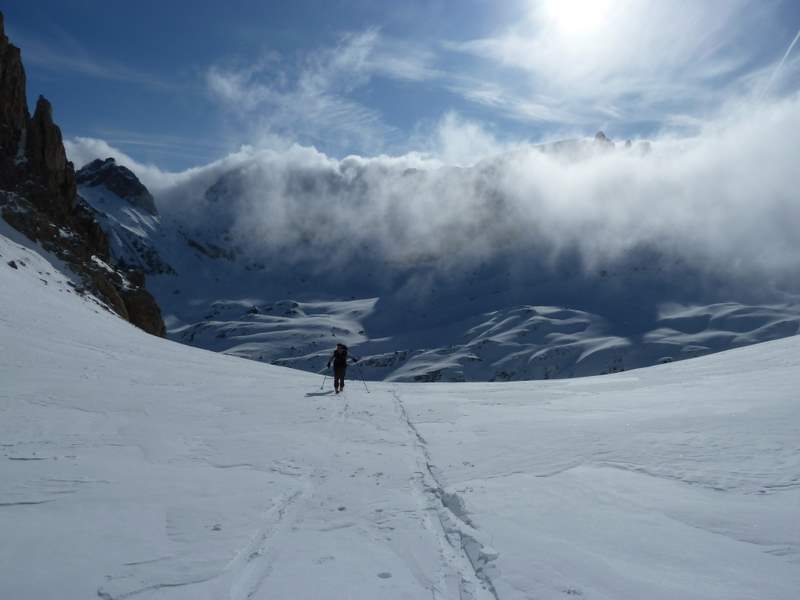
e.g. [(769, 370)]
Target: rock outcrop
[(127, 213), (119, 180), (602, 140), (38, 197), (47, 159), (13, 107)]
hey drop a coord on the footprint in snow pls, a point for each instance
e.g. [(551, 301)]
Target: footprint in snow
[(384, 575)]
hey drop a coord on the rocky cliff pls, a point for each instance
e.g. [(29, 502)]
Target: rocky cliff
[(38, 196), (118, 180), (126, 211)]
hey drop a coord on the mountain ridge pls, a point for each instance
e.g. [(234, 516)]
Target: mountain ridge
[(38, 197)]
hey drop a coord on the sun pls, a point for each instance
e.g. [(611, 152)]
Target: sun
[(576, 17)]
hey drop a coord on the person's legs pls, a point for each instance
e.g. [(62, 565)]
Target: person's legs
[(338, 379)]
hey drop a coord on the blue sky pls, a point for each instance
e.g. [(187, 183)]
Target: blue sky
[(178, 84)]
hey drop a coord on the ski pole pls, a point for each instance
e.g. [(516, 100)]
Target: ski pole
[(361, 374), (324, 379)]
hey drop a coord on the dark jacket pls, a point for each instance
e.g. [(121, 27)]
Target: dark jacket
[(339, 358)]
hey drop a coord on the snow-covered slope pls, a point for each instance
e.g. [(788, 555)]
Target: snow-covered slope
[(136, 467), (503, 310)]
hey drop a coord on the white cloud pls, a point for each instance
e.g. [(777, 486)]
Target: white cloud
[(569, 65), (626, 60), (510, 104), (460, 142), (776, 71), (83, 150), (724, 201), (313, 101)]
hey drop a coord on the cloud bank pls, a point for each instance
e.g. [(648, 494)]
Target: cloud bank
[(726, 200)]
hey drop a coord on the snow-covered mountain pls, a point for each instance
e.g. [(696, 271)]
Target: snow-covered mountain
[(135, 467), (263, 261), (126, 211)]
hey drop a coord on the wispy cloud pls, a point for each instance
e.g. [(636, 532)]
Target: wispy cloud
[(313, 100), (159, 145), (631, 60), (558, 67), (670, 64), (508, 102), (776, 71)]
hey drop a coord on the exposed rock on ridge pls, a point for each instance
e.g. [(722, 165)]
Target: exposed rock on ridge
[(38, 197), (126, 211), (47, 159), (119, 180)]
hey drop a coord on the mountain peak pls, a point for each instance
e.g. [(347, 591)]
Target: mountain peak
[(47, 157), (602, 138), (119, 180)]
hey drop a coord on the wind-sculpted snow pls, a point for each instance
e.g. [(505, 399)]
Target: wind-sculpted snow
[(667, 466), (133, 466), (529, 342)]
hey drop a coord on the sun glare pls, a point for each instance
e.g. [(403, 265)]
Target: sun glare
[(576, 17)]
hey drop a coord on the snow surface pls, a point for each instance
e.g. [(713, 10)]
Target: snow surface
[(132, 466)]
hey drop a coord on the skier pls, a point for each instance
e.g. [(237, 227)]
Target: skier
[(339, 360)]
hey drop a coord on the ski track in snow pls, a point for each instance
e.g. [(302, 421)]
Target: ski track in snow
[(133, 467), (254, 563), (459, 532), (462, 573)]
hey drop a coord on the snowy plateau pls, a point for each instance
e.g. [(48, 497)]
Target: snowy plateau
[(136, 467)]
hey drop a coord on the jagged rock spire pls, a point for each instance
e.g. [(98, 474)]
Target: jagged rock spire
[(14, 114), (48, 159), (43, 203)]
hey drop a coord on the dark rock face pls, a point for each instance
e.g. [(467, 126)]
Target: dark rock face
[(601, 139), (38, 197), (14, 115), (47, 158), (119, 180), (130, 248), (143, 311)]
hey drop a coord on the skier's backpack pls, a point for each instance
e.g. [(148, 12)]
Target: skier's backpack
[(340, 356)]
